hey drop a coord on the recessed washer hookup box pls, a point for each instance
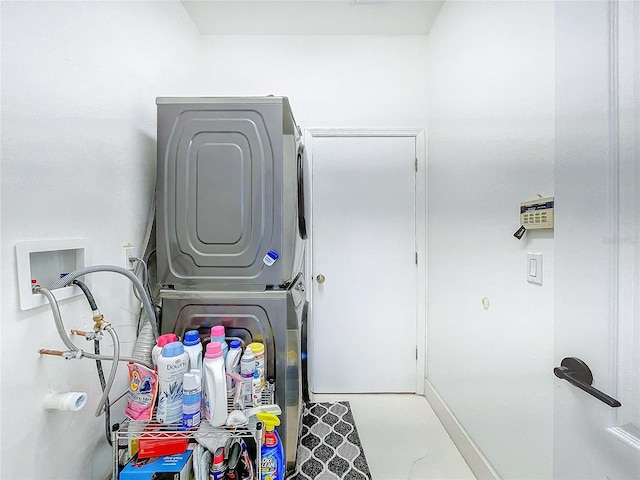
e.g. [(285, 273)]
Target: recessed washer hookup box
[(169, 467)]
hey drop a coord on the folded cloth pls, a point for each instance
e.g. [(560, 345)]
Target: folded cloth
[(201, 462), (197, 450), (208, 438)]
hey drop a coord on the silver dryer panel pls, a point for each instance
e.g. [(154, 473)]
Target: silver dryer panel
[(227, 192)]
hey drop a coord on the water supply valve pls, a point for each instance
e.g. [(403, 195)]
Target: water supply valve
[(100, 324), (95, 335), (67, 354)]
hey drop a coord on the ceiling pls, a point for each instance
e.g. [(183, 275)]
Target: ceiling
[(313, 17)]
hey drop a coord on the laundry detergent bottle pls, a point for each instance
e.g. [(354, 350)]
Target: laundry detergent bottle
[(247, 367), (156, 351), (214, 386), (172, 365), (218, 335), (232, 363), (193, 347), (272, 452)]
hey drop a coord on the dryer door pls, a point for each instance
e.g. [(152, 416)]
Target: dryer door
[(304, 201)]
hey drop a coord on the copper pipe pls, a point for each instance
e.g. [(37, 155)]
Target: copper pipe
[(44, 351)]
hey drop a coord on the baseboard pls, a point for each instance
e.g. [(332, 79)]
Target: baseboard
[(477, 462)]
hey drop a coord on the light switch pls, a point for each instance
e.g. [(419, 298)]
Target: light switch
[(534, 268), (533, 263)]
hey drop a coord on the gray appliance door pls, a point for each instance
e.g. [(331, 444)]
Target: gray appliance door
[(304, 195), (227, 193), (269, 317), (304, 374)]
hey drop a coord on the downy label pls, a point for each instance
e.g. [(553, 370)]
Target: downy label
[(170, 373)]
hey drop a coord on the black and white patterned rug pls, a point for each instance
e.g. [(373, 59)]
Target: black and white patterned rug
[(329, 447)]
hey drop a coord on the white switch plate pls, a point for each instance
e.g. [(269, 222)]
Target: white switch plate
[(534, 268), (129, 251)]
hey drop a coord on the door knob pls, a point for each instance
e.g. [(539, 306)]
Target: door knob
[(578, 374), (320, 278)]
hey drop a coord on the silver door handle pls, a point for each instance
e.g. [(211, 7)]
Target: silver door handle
[(320, 278)]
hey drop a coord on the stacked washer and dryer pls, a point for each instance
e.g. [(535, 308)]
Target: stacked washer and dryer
[(231, 226)]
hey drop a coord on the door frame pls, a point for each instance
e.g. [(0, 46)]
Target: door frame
[(624, 236), (608, 437), (419, 136)]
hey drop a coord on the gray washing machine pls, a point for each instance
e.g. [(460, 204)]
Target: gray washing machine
[(231, 207), (273, 317), (231, 225)]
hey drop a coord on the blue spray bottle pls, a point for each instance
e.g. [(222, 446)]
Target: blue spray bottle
[(272, 452)]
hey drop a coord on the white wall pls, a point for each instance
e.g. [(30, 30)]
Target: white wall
[(490, 147), (332, 81), (79, 81), (78, 117), (78, 160)]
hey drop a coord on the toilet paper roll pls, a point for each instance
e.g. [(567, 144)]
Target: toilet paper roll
[(71, 401)]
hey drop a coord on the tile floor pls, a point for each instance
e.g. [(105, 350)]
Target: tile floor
[(402, 438)]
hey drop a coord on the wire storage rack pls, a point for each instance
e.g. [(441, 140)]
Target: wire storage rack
[(130, 431)]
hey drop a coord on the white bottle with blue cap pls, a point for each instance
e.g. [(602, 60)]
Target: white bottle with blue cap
[(232, 363), (191, 400), (247, 367), (193, 347), (172, 365)]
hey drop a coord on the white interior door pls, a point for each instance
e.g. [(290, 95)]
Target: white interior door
[(364, 298), (597, 237)]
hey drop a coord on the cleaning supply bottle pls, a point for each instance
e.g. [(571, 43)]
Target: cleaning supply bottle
[(247, 366), (198, 374), (172, 365), (214, 386), (272, 452), (218, 470), (232, 362), (191, 401), (193, 347), (156, 351), (256, 389), (218, 335), (258, 350)]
